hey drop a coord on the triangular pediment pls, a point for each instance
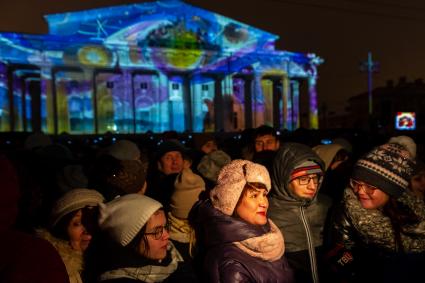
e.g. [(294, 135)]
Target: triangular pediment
[(169, 24)]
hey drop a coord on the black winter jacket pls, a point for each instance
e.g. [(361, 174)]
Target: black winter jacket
[(224, 261)]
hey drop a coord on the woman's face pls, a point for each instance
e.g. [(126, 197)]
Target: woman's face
[(78, 236), (253, 206), (370, 197), (157, 236)]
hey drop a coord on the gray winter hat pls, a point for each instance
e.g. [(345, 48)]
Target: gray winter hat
[(123, 217), (73, 200), (124, 150), (211, 164)]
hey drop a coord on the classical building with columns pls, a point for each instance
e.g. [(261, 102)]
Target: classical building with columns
[(153, 66)]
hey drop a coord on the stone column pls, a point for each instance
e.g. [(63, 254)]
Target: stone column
[(313, 114)]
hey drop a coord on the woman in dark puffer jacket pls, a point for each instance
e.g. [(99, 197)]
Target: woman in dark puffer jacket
[(237, 242)]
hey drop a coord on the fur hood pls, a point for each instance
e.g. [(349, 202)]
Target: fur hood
[(72, 259)]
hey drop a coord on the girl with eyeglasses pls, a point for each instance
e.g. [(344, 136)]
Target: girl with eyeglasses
[(378, 232), (298, 209), (135, 245)]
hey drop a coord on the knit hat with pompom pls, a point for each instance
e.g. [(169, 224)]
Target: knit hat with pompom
[(387, 167)]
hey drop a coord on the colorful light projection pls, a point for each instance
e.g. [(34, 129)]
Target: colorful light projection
[(154, 66), (405, 121), (4, 100)]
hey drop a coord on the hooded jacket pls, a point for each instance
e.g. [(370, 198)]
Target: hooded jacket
[(301, 221), (224, 260)]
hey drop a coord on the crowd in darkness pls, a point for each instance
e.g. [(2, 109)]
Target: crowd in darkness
[(259, 205)]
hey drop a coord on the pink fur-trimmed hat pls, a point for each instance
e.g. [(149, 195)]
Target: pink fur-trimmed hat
[(231, 182)]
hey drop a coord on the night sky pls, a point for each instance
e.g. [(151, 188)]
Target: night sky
[(340, 31)]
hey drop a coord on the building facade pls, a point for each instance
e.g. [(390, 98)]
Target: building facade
[(154, 66)]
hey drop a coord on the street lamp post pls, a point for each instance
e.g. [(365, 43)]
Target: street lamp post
[(370, 67)]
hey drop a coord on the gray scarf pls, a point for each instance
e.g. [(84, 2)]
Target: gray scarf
[(148, 273), (375, 227), (269, 246)]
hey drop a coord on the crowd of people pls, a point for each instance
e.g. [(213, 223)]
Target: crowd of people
[(256, 207)]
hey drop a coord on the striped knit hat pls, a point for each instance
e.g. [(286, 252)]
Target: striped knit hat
[(387, 167), (306, 168)]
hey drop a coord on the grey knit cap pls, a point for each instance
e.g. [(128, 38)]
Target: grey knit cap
[(211, 164), (124, 150), (73, 200), (123, 217)]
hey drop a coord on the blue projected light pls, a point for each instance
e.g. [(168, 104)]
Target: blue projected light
[(147, 67)]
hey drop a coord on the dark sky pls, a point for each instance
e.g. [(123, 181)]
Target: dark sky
[(340, 31)]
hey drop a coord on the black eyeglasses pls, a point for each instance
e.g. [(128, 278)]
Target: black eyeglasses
[(159, 231), (357, 185), (304, 180)]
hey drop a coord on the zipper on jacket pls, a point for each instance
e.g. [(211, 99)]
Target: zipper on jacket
[(311, 250)]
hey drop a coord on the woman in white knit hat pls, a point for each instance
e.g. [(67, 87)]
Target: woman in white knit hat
[(71, 219), (135, 245), (237, 242)]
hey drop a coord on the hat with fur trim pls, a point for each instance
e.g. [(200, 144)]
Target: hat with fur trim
[(232, 180), (123, 217), (73, 200)]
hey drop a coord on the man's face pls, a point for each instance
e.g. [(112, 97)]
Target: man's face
[(305, 186), (266, 142), (171, 162), (209, 147)]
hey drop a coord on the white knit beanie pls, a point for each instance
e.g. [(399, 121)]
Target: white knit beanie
[(187, 188), (123, 217), (73, 200), (231, 182)]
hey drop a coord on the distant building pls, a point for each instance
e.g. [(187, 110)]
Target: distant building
[(153, 66), (387, 102)]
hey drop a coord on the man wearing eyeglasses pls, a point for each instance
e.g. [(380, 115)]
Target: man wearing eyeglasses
[(297, 208)]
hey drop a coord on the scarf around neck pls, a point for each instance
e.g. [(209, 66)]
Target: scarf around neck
[(148, 273), (269, 246), (375, 227), (180, 230)]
